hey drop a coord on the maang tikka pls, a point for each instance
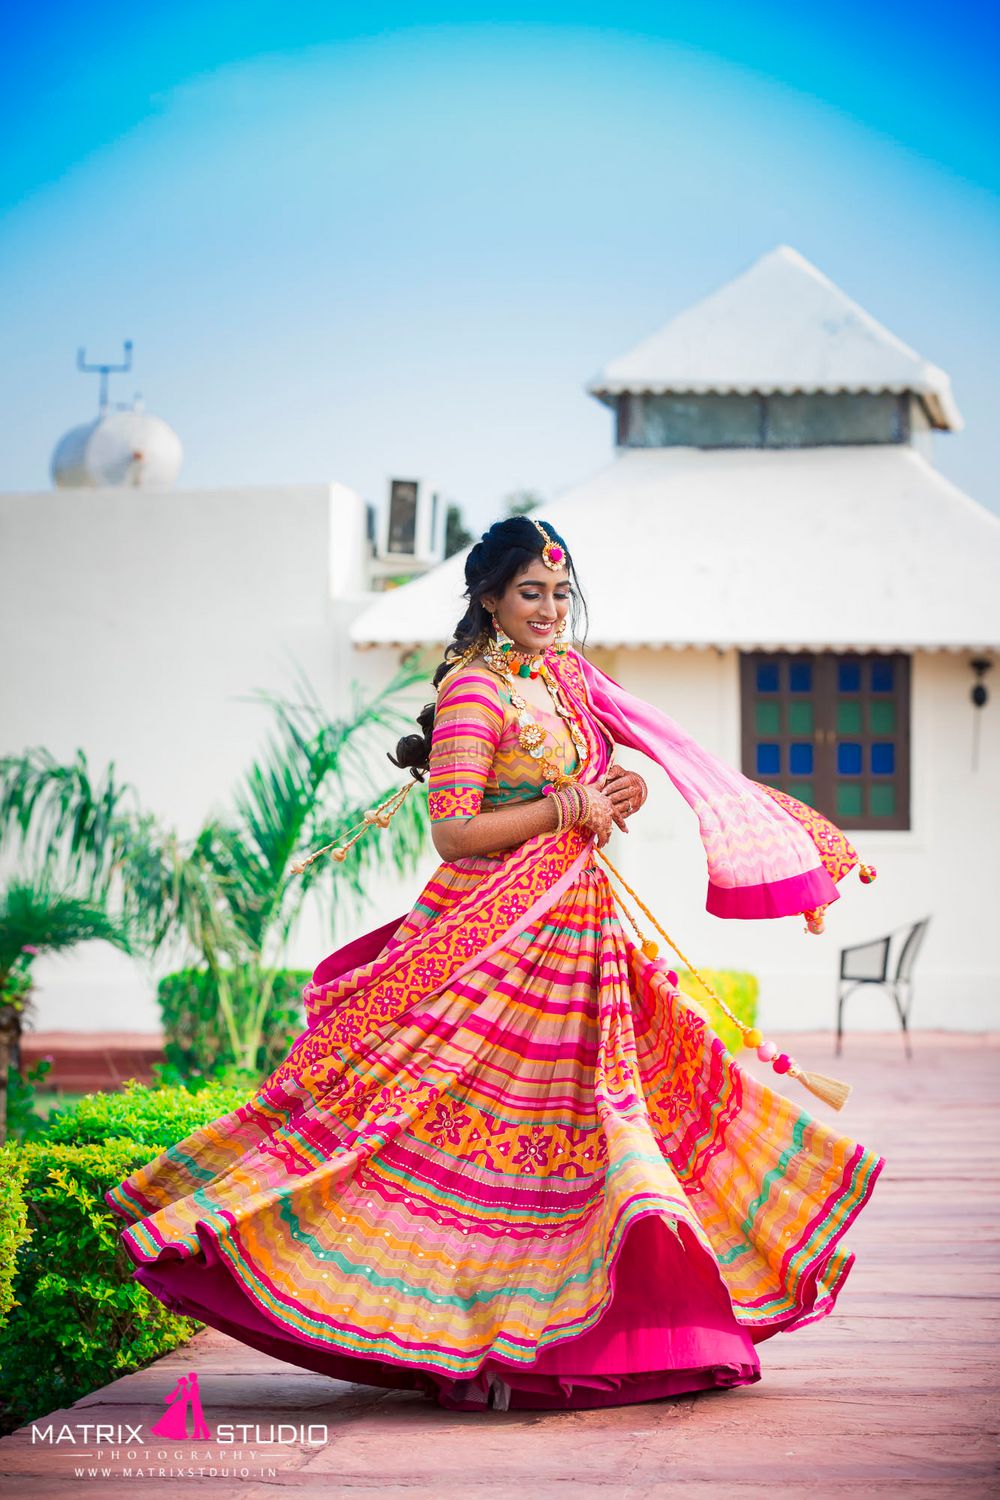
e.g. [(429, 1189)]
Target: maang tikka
[(553, 554)]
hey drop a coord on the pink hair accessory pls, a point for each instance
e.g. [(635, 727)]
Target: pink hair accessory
[(553, 555)]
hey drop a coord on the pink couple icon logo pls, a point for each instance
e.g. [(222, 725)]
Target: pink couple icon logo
[(185, 1397)]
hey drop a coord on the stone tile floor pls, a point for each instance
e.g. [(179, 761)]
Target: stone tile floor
[(896, 1392)]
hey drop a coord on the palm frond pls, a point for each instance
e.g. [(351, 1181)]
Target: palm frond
[(229, 891), (50, 808), (51, 921), (313, 780), (342, 889)]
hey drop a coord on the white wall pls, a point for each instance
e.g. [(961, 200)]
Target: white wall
[(133, 622), (943, 866)]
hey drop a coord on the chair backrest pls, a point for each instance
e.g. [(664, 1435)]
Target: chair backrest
[(865, 960), (911, 947)]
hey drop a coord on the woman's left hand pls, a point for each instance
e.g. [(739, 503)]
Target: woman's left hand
[(625, 790)]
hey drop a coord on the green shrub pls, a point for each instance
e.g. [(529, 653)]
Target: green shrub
[(25, 1120), (77, 1319), (13, 1221), (197, 1041), (153, 1118), (739, 991)]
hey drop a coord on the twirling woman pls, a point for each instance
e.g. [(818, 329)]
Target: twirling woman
[(509, 1162)]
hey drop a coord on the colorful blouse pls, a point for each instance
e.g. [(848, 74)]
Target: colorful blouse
[(476, 762)]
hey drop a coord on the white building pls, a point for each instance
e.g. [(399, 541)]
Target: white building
[(772, 559), (771, 505), (139, 620)]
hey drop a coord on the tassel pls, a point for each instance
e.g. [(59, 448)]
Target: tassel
[(375, 817), (831, 1090)]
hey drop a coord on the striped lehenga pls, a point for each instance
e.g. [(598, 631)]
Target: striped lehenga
[(506, 1162)]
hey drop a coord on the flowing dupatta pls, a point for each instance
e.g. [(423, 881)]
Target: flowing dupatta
[(768, 854)]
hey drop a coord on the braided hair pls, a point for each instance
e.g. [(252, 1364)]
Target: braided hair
[(501, 553)]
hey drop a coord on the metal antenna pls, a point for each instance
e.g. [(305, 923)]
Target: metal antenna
[(104, 371)]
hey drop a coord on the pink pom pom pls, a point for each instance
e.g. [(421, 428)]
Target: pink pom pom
[(672, 978), (766, 1051), (782, 1063)]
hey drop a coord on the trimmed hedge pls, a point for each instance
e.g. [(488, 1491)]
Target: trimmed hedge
[(154, 1118), (197, 1043), (740, 992), (77, 1319), (13, 1221)]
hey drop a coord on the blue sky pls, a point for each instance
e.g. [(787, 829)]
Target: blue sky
[(350, 247)]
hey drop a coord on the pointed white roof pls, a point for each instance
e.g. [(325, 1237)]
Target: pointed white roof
[(864, 548), (779, 326)]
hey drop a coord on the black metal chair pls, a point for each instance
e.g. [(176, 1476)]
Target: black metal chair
[(868, 963)]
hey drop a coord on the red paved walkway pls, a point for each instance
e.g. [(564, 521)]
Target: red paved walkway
[(894, 1393)]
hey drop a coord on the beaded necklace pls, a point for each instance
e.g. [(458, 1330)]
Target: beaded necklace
[(524, 663)]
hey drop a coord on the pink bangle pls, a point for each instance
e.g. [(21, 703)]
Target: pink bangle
[(568, 802)]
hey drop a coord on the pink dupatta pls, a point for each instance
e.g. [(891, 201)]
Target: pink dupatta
[(768, 854)]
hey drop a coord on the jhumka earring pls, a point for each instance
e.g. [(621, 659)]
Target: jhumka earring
[(504, 642)]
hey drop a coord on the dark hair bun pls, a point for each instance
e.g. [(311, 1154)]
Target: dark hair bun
[(413, 750)]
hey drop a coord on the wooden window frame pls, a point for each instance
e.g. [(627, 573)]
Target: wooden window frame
[(824, 698)]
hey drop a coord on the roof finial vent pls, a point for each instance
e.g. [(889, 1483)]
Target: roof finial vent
[(104, 371)]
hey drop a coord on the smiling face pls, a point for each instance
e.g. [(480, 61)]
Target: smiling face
[(532, 605)]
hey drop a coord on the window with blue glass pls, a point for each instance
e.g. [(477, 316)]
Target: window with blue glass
[(832, 730)]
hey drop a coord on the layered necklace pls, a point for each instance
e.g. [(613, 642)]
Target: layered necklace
[(503, 658)]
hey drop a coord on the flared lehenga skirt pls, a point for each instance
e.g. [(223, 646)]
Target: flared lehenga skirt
[(528, 1175)]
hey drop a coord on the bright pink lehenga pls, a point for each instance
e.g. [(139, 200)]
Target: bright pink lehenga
[(506, 1163)]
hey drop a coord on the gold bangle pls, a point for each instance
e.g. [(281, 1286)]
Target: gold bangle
[(581, 802)]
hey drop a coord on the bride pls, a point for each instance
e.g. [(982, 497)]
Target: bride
[(508, 1162)]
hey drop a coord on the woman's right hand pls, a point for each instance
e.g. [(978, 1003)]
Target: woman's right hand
[(599, 817)]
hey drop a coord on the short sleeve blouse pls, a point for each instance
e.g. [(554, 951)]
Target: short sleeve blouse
[(468, 723), (476, 761)]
